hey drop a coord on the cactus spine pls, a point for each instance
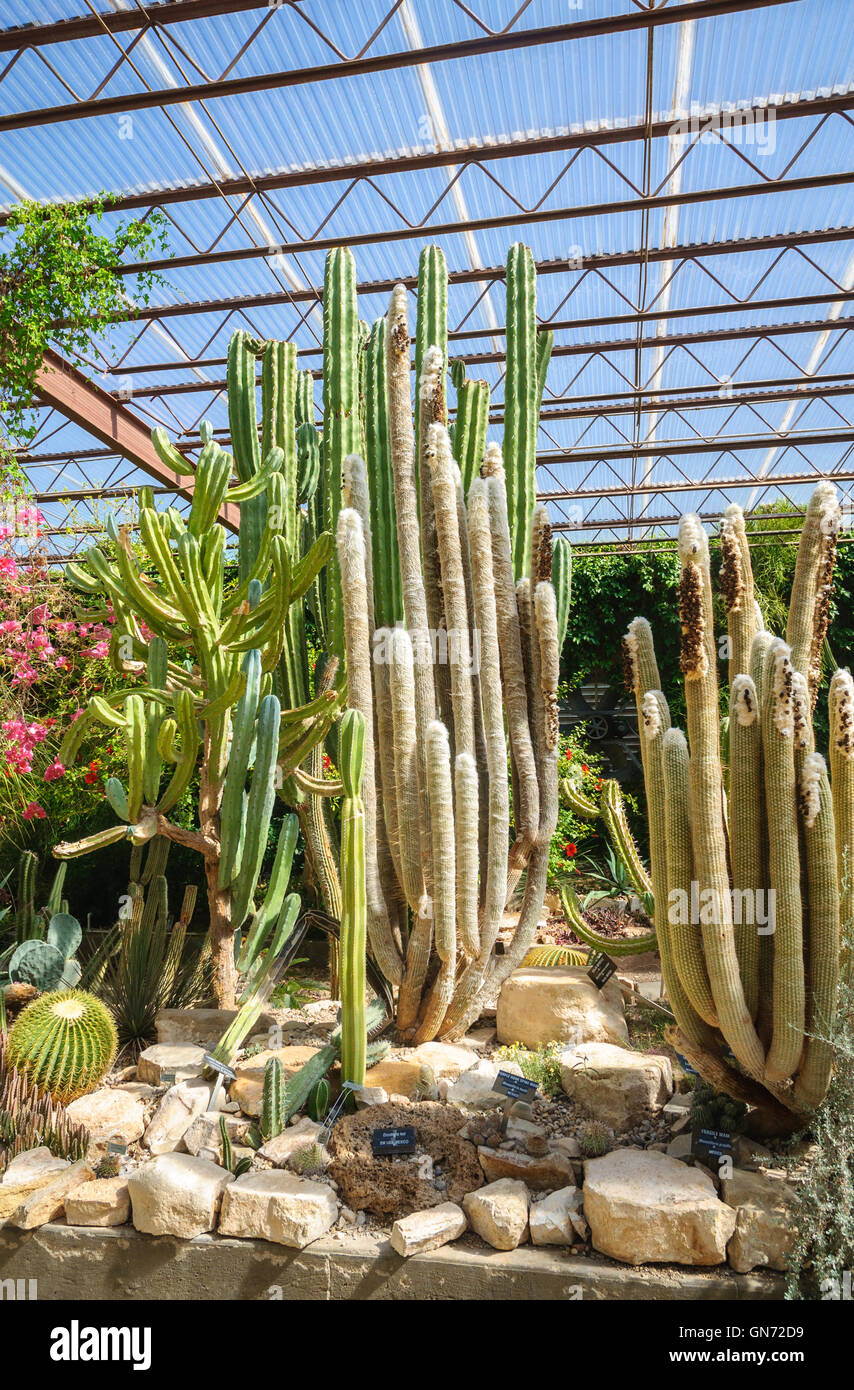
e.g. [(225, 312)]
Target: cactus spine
[(784, 842)]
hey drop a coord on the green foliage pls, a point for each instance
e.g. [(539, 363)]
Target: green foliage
[(541, 1065), (64, 1042), (58, 283), (824, 1215), (574, 835)]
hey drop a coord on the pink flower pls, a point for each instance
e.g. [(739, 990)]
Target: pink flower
[(55, 771), (34, 811)]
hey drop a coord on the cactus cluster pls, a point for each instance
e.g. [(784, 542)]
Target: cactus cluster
[(63, 1043), (215, 710), (748, 858), (473, 647), (29, 1118)]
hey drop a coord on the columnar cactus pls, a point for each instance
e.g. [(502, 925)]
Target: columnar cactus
[(747, 869), (433, 693), (351, 759), (214, 709)]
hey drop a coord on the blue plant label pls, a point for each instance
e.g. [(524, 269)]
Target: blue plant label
[(220, 1067), (167, 1078), (115, 1146), (601, 968), (516, 1087), (393, 1141)]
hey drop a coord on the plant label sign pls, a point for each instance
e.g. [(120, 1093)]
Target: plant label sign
[(711, 1145), (601, 968), (515, 1087), (220, 1067), (167, 1078), (393, 1141)]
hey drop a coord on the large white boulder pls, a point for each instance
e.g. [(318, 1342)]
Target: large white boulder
[(764, 1220), (177, 1195), (539, 1006), (618, 1086), (184, 1061), (645, 1208), (46, 1203), (279, 1207), (498, 1213)]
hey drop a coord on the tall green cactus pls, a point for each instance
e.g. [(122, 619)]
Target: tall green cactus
[(341, 415), (764, 987), (273, 1102), (214, 713), (521, 402), (351, 761), (438, 860)]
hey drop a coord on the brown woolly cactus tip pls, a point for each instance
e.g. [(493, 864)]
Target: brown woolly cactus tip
[(801, 711), (693, 542), (693, 659), (745, 701), (629, 676), (541, 545), (824, 592), (732, 570), (493, 461), (841, 704), (780, 662), (431, 392), (653, 705), (809, 790), (398, 320)]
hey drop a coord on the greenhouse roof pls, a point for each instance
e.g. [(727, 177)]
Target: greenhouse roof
[(682, 173)]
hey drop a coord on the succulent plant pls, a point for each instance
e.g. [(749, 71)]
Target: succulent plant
[(318, 1101), (49, 964), (273, 1103), (63, 1043), (29, 1118), (108, 1167), (778, 838), (594, 1139)]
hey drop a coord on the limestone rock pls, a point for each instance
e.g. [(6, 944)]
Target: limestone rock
[(104, 1202), (444, 1059), (540, 1173), (278, 1207), (32, 1166), (205, 1133), (539, 1006), (282, 1147), (248, 1089), (618, 1086), (176, 1112), (643, 1207), (499, 1213), (202, 1027), (764, 1221), (177, 1195), (108, 1114), (406, 1183), (184, 1059), (475, 1086), (36, 1168), (370, 1095), (558, 1219), (427, 1230), (47, 1203), (397, 1077)]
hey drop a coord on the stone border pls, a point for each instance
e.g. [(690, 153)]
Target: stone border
[(120, 1263)]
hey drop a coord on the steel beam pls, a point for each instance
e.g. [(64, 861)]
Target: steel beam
[(63, 387), (693, 485), (721, 443), (473, 151), (459, 51), (87, 26)]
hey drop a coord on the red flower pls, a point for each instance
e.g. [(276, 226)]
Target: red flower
[(569, 752), (584, 767), (327, 762), (570, 850), (91, 778)]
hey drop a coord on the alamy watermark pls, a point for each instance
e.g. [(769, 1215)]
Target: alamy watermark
[(703, 907), (754, 129)]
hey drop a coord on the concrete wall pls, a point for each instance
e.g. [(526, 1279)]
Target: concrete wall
[(84, 1263)]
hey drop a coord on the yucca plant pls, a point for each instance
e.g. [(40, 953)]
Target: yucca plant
[(154, 968)]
